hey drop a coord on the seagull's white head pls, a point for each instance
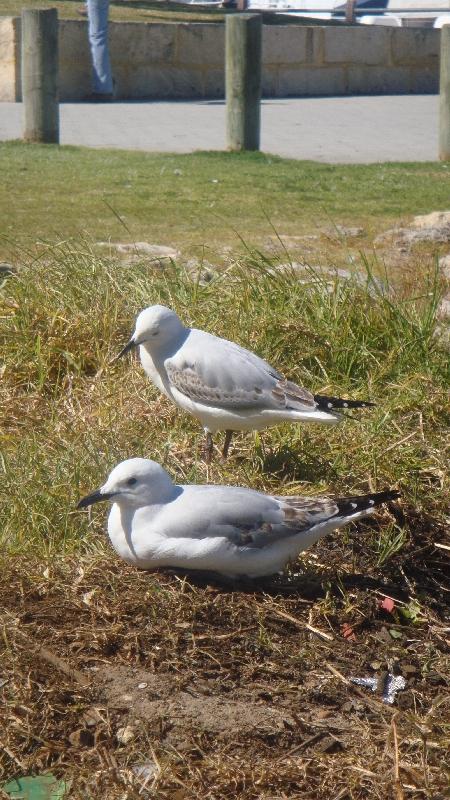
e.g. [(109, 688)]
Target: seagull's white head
[(157, 327), (136, 482)]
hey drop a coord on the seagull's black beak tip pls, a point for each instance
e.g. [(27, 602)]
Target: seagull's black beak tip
[(83, 503), (90, 499), (129, 346)]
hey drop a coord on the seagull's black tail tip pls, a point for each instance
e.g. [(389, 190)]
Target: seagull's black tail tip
[(385, 496), (363, 502), (325, 403)]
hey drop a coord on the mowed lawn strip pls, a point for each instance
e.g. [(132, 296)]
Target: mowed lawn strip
[(202, 202), (122, 11)]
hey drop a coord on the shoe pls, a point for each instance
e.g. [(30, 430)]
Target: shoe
[(99, 97)]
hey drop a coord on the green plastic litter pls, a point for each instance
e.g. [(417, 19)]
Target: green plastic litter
[(42, 787)]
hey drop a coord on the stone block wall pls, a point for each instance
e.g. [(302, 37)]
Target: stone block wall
[(186, 60), (9, 58)]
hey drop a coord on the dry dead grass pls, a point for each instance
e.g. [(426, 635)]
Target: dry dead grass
[(227, 693)]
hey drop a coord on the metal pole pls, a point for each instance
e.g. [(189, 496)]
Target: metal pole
[(243, 34), (40, 75)]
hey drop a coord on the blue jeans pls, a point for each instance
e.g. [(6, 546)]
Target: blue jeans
[(98, 39)]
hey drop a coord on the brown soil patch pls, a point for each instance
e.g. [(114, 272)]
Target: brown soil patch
[(175, 712), (228, 693)]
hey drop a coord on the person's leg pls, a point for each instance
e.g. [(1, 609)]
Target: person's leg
[(98, 39)]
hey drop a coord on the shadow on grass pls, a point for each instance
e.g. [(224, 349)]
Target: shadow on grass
[(306, 586), (303, 466), (418, 570)]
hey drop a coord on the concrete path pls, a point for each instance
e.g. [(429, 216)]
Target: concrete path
[(339, 129)]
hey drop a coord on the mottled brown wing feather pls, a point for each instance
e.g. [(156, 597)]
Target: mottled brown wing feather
[(188, 381), (297, 393), (303, 512), (190, 384), (298, 514)]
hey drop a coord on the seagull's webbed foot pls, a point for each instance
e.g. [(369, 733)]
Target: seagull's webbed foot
[(226, 445), (208, 448)]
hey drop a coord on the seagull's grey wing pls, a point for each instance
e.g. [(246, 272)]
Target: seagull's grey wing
[(246, 517), (217, 372), (224, 511)]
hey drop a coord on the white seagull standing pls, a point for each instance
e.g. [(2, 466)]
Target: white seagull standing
[(223, 529), (219, 382)]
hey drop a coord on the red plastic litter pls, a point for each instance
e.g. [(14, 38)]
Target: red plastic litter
[(387, 604), (347, 632)]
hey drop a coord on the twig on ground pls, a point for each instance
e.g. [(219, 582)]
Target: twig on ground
[(302, 745), (301, 624), (11, 755), (397, 783), (108, 762), (342, 793), (401, 441), (338, 674), (51, 658), (374, 704), (363, 771), (389, 597)]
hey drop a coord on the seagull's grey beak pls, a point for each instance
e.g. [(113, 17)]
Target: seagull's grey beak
[(129, 346), (95, 497)]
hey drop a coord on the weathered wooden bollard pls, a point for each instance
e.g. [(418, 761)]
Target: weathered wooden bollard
[(243, 34), (444, 96), (350, 12), (40, 75)]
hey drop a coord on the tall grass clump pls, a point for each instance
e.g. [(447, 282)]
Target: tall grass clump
[(70, 414)]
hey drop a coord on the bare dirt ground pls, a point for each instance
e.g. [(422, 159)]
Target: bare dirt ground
[(225, 692)]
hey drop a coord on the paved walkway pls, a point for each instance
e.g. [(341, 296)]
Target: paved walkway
[(339, 129)]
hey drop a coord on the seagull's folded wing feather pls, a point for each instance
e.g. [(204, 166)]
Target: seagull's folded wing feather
[(243, 516), (220, 373)]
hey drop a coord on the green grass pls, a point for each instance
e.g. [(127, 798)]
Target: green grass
[(70, 414), (200, 203), (120, 10), (150, 11)]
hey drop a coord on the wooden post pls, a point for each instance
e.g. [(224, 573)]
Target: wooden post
[(444, 99), (40, 75), (350, 12), (243, 34)]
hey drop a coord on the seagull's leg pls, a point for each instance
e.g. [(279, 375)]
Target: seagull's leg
[(226, 446), (208, 447)]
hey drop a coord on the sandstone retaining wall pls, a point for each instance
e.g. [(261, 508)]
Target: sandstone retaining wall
[(186, 60)]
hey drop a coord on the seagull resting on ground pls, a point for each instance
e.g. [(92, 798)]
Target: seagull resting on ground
[(219, 382), (223, 529)]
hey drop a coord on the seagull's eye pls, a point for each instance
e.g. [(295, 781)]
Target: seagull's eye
[(131, 481)]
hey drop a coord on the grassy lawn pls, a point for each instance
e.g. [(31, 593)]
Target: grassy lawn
[(242, 700), (203, 202), (149, 11), (126, 11)]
